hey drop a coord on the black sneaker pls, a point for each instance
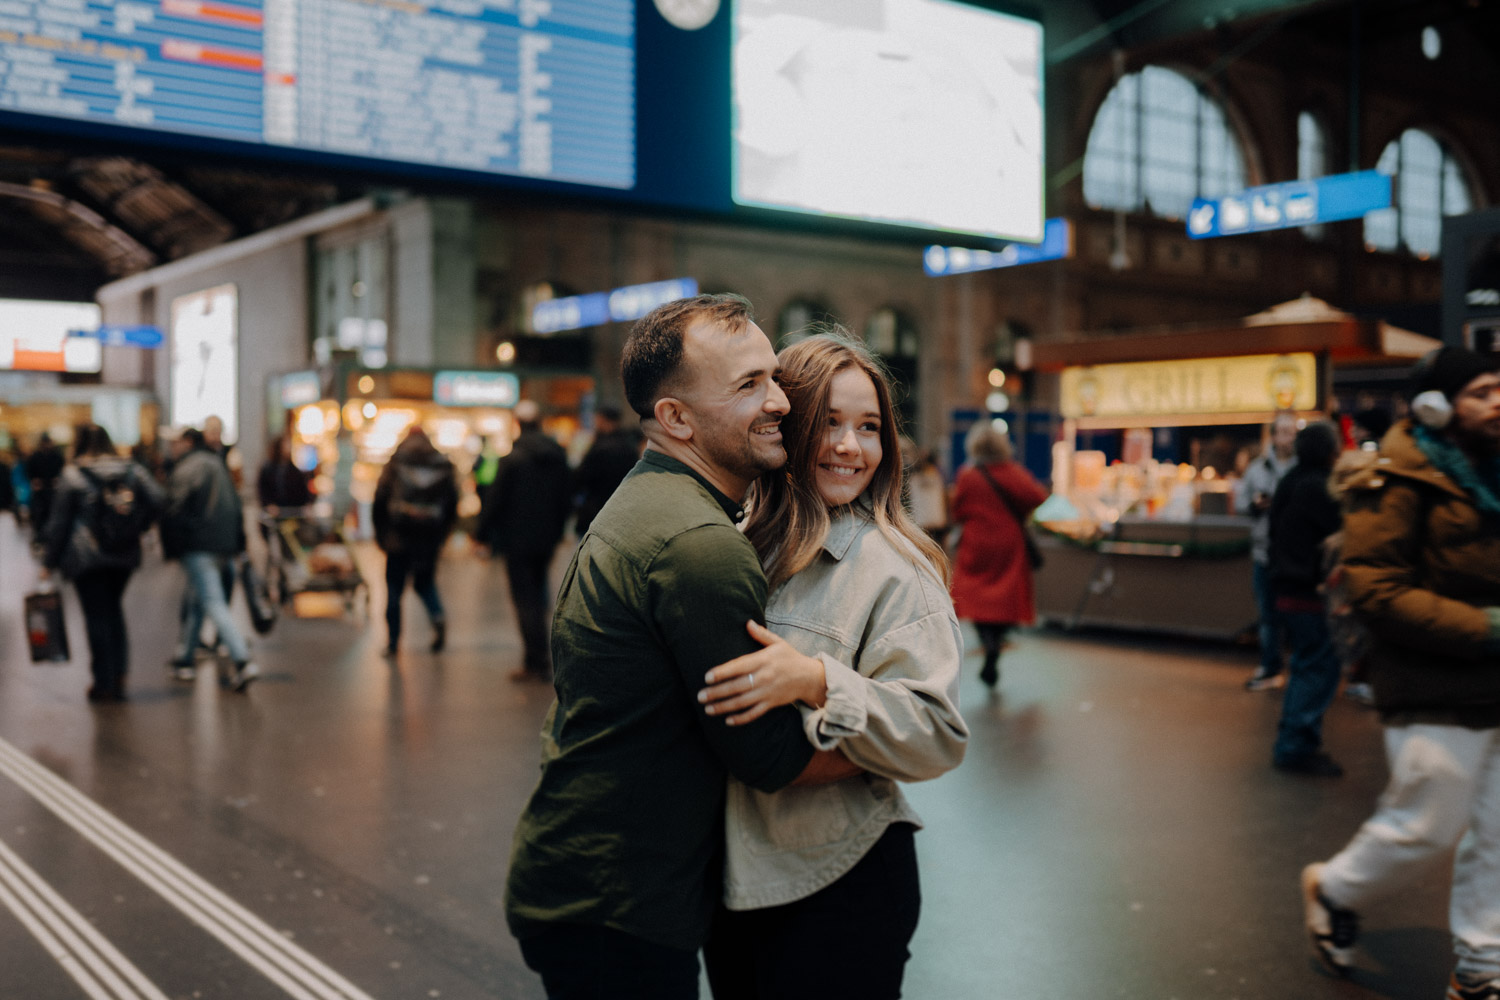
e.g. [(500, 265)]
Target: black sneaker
[(1333, 929), (1317, 765), (244, 674), (439, 636), (1465, 989)]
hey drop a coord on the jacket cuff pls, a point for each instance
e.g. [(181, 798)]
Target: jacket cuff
[(843, 714), (1492, 641)]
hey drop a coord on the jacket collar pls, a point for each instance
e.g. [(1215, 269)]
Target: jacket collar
[(1400, 455), (735, 512), (844, 526)]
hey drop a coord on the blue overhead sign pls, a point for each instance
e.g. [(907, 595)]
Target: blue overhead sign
[(1292, 204), (124, 336), (623, 305), (1057, 243)]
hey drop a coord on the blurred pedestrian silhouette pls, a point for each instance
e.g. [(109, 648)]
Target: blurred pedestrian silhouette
[(102, 506), (1252, 497), (1303, 516), (529, 504), (281, 486), (927, 494), (43, 466), (608, 460), (204, 528), (993, 584), (416, 504), (1422, 563)]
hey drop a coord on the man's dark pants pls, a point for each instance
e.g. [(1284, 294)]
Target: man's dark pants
[(421, 565), (585, 962), (99, 593), (527, 572), (1312, 680), (848, 939)]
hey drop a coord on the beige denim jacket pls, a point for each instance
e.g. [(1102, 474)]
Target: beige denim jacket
[(890, 644)]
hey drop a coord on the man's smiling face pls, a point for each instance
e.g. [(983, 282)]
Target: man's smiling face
[(734, 400)]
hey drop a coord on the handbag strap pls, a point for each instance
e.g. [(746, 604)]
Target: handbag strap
[(1010, 504)]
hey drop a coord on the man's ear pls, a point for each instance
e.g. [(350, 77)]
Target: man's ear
[(674, 417)]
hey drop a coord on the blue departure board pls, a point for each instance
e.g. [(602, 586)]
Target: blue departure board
[(531, 88)]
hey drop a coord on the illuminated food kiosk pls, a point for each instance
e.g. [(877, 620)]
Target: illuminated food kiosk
[(1141, 532)]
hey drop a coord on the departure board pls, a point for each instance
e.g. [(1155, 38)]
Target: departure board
[(532, 88)]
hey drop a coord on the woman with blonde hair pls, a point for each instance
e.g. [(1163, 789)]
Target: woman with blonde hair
[(821, 892), (992, 578)]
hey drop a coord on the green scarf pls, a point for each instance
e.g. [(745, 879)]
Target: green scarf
[(1481, 483)]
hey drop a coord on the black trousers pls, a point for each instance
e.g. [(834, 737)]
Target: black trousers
[(848, 939), (527, 573), (583, 962), (101, 593), (420, 565)]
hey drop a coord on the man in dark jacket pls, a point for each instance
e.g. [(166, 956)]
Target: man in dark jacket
[(43, 466), (204, 528), (1303, 514), (1422, 566), (416, 503), (608, 461), (528, 507)]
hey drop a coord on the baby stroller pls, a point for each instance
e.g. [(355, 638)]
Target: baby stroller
[(310, 554)]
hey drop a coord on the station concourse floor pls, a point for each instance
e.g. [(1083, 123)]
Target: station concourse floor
[(342, 830)]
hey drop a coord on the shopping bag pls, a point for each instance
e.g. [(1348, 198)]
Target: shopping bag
[(258, 596), (46, 631)]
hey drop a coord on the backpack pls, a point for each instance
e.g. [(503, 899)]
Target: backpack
[(418, 498), (117, 518)]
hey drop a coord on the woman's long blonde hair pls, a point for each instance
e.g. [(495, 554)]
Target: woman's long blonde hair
[(788, 517)]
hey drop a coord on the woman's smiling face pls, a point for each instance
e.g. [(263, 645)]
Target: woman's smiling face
[(851, 443)]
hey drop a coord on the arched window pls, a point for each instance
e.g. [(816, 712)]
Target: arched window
[(1157, 143), (892, 334), (1312, 156), (1426, 184), (796, 316)]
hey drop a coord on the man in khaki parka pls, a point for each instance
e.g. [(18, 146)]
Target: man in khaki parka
[(1422, 563)]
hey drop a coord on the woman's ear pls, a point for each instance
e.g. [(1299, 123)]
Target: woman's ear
[(674, 417)]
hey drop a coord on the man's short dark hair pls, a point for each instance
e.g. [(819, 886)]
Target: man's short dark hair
[(193, 436), (651, 362)]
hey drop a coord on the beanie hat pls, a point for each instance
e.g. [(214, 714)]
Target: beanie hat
[(1448, 369)]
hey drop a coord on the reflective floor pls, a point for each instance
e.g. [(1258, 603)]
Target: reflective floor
[(342, 830)]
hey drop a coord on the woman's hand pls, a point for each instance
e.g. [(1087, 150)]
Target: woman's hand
[(749, 686)]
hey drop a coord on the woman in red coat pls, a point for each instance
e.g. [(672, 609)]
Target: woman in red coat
[(992, 584)]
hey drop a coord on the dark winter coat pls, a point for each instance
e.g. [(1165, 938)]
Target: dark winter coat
[(1422, 564), (1303, 514), (529, 501), (203, 511), (607, 463), (992, 579), (416, 465), (68, 538)]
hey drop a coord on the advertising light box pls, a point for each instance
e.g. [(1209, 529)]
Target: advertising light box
[(39, 336), (205, 355), (921, 113)]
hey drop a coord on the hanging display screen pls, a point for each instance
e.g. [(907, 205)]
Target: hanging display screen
[(921, 113), (532, 88)]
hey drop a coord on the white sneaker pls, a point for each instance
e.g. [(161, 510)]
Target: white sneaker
[(243, 675), (1333, 929), (183, 672)]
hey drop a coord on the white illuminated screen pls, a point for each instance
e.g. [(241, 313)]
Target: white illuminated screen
[(39, 331), (925, 113), (205, 359)]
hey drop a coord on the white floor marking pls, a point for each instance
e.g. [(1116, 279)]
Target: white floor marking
[(242, 932)]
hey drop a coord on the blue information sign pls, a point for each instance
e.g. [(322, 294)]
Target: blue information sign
[(125, 336), (1057, 243), (542, 90), (622, 305), (1289, 205)]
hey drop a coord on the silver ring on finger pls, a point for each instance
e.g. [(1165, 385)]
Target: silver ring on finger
[(751, 679)]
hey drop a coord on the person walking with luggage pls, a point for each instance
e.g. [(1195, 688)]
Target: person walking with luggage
[(1422, 566), (1252, 497), (1303, 516), (103, 504), (204, 529), (416, 504), (528, 508), (992, 577), (43, 466)]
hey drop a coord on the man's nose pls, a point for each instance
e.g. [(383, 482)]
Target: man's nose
[(776, 401)]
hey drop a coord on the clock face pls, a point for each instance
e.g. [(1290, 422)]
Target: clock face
[(689, 15)]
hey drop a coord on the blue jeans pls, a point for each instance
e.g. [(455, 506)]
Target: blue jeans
[(1313, 678), (1271, 632), (205, 595)]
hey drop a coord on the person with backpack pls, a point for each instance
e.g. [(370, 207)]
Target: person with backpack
[(102, 505), (416, 505), (204, 529)]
